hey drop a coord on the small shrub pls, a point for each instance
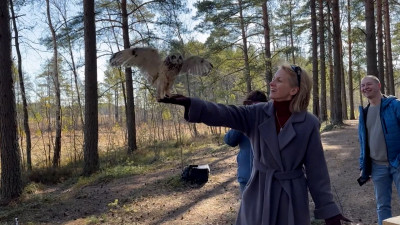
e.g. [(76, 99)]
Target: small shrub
[(50, 175), (174, 182), (93, 220), (113, 204), (32, 188)]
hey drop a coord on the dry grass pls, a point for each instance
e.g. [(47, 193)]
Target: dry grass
[(112, 138)]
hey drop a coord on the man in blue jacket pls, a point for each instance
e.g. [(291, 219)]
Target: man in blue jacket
[(234, 138), (379, 136)]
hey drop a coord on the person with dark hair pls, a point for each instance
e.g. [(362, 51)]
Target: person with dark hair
[(379, 135), (234, 138), (288, 154), (255, 97)]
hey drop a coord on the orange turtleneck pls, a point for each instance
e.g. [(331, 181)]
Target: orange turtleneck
[(282, 114)]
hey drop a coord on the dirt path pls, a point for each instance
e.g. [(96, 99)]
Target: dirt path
[(157, 199)]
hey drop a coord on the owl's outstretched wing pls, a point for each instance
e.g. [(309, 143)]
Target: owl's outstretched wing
[(196, 65), (146, 59)]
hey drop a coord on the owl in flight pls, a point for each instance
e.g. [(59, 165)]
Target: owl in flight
[(161, 74)]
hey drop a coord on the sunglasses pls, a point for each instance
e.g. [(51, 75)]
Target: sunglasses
[(297, 70)]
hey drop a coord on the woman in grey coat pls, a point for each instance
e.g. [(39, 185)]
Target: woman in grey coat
[(288, 155)]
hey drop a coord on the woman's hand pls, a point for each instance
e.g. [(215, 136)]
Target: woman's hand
[(176, 99)]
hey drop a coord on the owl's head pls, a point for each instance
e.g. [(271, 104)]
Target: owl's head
[(174, 59)]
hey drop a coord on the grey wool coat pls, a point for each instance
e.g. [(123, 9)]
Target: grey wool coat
[(286, 165)]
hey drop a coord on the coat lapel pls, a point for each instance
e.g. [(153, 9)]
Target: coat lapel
[(268, 134), (288, 132)]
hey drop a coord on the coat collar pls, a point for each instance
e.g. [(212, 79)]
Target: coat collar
[(268, 133)]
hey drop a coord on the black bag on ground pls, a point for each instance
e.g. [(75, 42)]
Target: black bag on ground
[(196, 174)]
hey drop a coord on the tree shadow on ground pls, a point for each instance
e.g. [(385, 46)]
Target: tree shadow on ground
[(64, 206)]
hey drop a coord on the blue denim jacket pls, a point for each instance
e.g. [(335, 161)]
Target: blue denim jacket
[(390, 120), (245, 155)]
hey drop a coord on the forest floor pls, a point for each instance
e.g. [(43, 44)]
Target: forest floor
[(160, 198)]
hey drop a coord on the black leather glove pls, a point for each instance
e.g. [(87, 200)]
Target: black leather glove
[(176, 99), (336, 220)]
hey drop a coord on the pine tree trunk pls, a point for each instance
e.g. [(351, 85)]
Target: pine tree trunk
[(91, 129), (11, 181), (23, 94), (245, 50), (370, 38), (350, 73), (57, 140), (379, 23), (267, 44), (73, 67), (343, 84), (330, 56), (388, 43), (337, 118), (130, 107), (291, 33), (314, 35), (323, 112), (123, 93), (116, 105)]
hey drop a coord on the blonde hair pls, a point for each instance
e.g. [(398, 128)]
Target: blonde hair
[(373, 77), (301, 100)]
